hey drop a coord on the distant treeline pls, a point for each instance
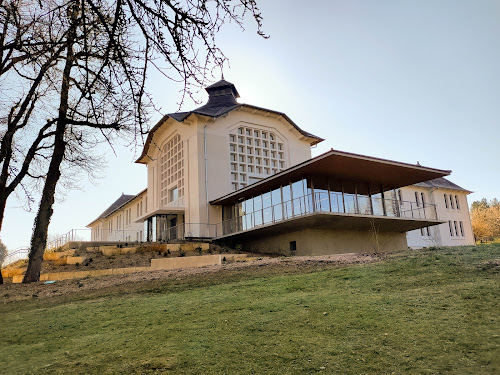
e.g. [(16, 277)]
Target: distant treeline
[(485, 216)]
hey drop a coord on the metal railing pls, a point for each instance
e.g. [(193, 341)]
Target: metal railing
[(189, 230), (14, 256), (327, 202), (311, 203), (117, 235), (73, 235), (96, 235)]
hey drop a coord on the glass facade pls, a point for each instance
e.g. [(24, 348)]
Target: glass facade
[(319, 194), (161, 228)]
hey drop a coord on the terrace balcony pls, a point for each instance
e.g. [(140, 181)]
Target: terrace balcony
[(332, 210), (335, 191)]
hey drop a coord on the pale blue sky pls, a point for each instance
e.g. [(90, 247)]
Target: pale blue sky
[(404, 80)]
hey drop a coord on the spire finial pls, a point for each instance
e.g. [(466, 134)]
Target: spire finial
[(221, 66)]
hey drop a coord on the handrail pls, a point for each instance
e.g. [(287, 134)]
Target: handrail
[(322, 202), (19, 253), (318, 201)]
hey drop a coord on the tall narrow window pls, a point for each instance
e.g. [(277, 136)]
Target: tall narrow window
[(451, 201), (428, 233), (446, 200), (422, 231), (416, 199), (462, 228), (456, 228), (400, 196), (457, 205), (451, 228), (173, 194), (423, 199)]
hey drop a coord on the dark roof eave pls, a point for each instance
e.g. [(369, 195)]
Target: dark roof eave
[(150, 138), (314, 139), (442, 183), (117, 208)]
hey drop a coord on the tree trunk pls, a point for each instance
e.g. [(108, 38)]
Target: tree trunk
[(6, 155), (42, 220), (3, 203)]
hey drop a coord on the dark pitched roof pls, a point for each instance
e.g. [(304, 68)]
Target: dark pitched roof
[(124, 199), (221, 100), (442, 183), (222, 84), (119, 202)]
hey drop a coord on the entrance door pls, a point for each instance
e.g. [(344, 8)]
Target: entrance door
[(172, 223)]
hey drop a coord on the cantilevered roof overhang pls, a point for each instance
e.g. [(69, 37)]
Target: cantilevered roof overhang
[(331, 220), (343, 166)]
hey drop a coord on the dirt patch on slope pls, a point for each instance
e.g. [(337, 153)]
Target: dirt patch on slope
[(152, 280)]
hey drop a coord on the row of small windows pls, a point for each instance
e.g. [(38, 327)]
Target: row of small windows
[(449, 202), (255, 142), (258, 161), (425, 232), (422, 199), (139, 209), (254, 152), (257, 169), (454, 228), (256, 133)]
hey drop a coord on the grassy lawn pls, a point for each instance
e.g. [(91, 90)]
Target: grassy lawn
[(421, 312)]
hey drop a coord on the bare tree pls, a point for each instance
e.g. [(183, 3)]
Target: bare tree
[(27, 54), (100, 74)]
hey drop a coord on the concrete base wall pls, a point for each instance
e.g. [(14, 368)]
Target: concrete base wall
[(327, 241), (195, 261)]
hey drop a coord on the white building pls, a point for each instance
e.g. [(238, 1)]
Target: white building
[(452, 208), (241, 174)]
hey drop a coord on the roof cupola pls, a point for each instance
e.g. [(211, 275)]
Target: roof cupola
[(222, 93)]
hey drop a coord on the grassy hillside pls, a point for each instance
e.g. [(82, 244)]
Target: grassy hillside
[(421, 312)]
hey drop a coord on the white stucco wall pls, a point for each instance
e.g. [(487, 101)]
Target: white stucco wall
[(121, 225), (192, 132), (439, 235)]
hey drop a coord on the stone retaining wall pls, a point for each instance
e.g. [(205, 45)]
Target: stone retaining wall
[(156, 264)]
